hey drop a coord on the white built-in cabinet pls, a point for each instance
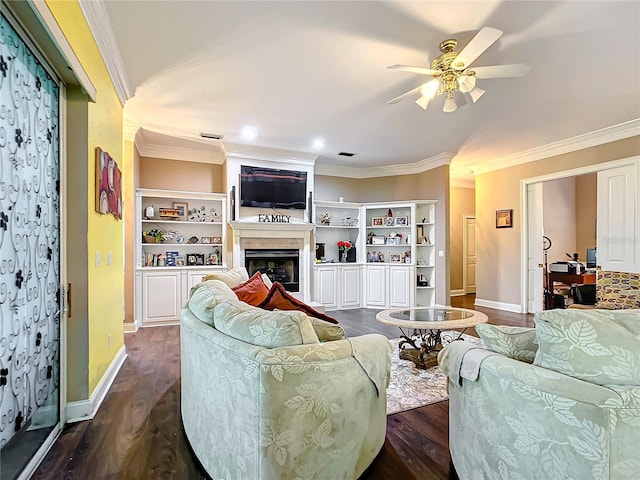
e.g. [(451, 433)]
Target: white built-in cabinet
[(196, 244), (395, 254)]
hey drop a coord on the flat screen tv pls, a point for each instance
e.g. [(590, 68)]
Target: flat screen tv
[(272, 188)]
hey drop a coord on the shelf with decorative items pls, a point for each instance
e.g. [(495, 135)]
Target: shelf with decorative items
[(388, 233), (179, 238), (425, 252), (337, 224)]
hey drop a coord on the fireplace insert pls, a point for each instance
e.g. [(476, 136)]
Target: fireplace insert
[(280, 265)]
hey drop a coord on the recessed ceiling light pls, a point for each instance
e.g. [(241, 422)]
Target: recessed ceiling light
[(318, 143), (249, 133)]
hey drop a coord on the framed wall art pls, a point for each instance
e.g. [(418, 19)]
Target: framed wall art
[(504, 218), (108, 185)]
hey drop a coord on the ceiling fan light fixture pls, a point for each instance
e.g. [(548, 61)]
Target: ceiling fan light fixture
[(476, 93), (430, 89), (449, 104), (466, 83), (423, 101)]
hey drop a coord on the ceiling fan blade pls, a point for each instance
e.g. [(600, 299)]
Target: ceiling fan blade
[(404, 95), (478, 44), (502, 71), (420, 70)]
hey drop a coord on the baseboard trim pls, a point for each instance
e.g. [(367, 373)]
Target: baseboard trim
[(509, 307), (457, 293), (130, 327), (86, 409)]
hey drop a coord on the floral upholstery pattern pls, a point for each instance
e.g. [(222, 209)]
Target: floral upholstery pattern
[(304, 411), (522, 421)]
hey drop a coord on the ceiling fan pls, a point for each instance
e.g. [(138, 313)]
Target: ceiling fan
[(452, 74)]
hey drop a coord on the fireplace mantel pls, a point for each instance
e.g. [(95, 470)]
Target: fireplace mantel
[(276, 235), (283, 229)]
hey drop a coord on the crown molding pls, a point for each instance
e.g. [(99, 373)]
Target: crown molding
[(387, 170), (98, 20), (269, 154), (580, 142), (214, 153)]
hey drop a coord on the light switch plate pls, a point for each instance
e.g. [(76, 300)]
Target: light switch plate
[(97, 259), (109, 258)]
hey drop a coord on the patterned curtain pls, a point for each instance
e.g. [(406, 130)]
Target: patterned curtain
[(29, 237)]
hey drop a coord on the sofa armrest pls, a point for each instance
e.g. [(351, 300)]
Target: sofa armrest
[(536, 380)]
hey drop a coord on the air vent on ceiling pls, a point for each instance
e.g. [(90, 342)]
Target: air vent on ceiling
[(213, 136), (346, 154)]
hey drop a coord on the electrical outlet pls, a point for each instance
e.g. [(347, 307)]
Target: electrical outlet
[(109, 341)]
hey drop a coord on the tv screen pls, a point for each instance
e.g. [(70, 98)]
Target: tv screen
[(272, 188)]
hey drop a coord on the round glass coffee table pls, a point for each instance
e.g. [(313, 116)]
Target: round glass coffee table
[(422, 329)]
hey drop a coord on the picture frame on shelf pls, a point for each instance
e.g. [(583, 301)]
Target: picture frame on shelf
[(207, 240), (180, 261), (392, 241), (183, 209), (389, 221), (194, 259), (377, 240), (403, 221), (216, 240), (395, 258), (212, 259), (377, 221)]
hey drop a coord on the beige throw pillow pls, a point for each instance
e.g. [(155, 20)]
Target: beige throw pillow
[(232, 277)]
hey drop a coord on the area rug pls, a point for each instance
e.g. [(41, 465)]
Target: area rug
[(411, 387)]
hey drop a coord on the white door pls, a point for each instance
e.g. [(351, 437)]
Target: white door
[(376, 286), (351, 287), (469, 272), (327, 287), (535, 231), (618, 230), (400, 287)]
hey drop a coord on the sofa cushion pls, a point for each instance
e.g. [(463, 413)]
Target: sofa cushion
[(232, 277), (253, 291), (261, 327), (618, 299), (205, 296), (519, 343), (280, 299), (598, 346)]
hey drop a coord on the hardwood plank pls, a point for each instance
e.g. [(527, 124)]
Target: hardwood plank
[(137, 433)]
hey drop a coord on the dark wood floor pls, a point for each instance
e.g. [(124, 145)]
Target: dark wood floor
[(137, 432)]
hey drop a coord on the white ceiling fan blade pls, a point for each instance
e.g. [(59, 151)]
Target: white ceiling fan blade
[(423, 101), (478, 44), (404, 95), (502, 71), (409, 68)]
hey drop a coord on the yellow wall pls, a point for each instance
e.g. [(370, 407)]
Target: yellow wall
[(499, 256), (104, 232)]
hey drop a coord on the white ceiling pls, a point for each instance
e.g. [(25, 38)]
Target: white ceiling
[(300, 70)]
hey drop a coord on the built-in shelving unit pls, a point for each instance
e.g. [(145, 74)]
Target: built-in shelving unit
[(193, 245)]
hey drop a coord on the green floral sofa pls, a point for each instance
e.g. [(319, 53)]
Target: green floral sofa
[(561, 401), (278, 394)]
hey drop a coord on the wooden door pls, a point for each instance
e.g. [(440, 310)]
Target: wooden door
[(469, 272)]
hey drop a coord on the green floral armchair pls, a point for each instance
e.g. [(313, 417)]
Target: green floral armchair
[(561, 401), (277, 394)]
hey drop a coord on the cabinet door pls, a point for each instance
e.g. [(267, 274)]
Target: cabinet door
[(400, 287), (351, 287), (161, 296), (327, 287), (376, 286)]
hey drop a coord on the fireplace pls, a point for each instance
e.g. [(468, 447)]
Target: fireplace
[(280, 265)]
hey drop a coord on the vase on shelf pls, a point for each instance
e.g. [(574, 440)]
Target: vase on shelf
[(343, 255)]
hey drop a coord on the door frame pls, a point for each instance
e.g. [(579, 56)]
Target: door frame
[(464, 251), (524, 208)]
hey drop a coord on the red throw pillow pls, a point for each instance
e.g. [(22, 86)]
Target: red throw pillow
[(279, 298), (253, 291)]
